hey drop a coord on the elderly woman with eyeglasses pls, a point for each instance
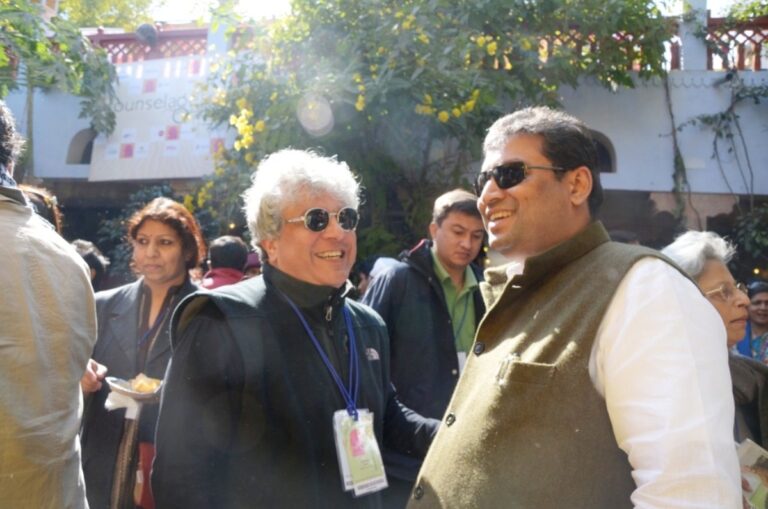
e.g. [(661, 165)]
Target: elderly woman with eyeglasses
[(704, 256)]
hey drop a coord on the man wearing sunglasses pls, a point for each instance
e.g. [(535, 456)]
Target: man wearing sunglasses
[(278, 394), (598, 376), (431, 304)]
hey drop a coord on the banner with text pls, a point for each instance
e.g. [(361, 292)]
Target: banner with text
[(153, 138)]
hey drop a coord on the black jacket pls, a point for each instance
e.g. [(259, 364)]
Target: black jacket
[(118, 311), (424, 366), (410, 299), (247, 407)]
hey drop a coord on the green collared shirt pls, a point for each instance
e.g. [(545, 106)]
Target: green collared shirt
[(461, 306)]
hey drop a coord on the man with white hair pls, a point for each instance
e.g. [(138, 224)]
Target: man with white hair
[(278, 394)]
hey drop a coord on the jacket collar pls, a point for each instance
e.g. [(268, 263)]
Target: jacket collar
[(124, 316), (314, 300), (12, 194), (548, 262)]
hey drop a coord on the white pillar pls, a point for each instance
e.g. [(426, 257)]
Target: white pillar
[(694, 51)]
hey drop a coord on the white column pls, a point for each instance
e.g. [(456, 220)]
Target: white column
[(694, 51)]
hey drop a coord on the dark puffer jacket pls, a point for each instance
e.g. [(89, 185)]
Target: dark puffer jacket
[(410, 299), (424, 363)]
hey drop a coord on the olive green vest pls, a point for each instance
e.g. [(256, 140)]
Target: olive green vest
[(526, 427)]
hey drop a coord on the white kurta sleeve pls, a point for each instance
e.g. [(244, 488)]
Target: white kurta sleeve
[(660, 361)]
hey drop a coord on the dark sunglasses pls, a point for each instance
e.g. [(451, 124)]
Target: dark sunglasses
[(318, 219), (508, 175)]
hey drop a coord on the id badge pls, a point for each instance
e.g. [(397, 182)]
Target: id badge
[(362, 469)]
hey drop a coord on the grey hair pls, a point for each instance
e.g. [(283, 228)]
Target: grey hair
[(289, 175), (692, 250)]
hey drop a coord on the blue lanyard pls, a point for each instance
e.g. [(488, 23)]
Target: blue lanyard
[(349, 395), (152, 331)]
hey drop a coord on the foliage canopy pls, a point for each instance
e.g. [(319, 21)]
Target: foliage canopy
[(404, 90), (54, 55), (127, 14)]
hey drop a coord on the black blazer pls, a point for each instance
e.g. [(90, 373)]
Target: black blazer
[(118, 311)]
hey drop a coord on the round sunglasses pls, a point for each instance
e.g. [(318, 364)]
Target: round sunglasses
[(318, 219), (509, 175)]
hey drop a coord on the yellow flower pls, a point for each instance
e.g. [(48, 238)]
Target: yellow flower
[(219, 98), (361, 88), (357, 78), (481, 41), (423, 38), (373, 67), (423, 109), (189, 203), (427, 99), (273, 97), (456, 112), (238, 146), (443, 116), (491, 48), (260, 126), (232, 120), (213, 67), (360, 103), (242, 103), (249, 158), (470, 105)]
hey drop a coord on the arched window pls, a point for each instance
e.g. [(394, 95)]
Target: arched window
[(606, 155), (81, 147)]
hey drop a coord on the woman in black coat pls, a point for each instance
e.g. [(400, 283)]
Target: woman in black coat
[(133, 338)]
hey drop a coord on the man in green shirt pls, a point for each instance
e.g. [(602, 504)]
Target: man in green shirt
[(431, 305)]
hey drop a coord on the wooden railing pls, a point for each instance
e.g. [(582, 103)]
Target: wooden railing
[(744, 44), (129, 47)]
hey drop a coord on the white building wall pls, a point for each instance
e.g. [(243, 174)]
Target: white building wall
[(55, 123), (637, 122)]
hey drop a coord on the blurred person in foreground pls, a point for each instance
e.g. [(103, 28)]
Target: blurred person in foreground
[(598, 377), (704, 256), (133, 338), (227, 255), (47, 333), (278, 394)]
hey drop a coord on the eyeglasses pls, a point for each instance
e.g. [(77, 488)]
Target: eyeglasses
[(726, 292), (509, 175), (318, 219)]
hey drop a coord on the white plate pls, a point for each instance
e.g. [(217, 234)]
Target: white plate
[(123, 387)]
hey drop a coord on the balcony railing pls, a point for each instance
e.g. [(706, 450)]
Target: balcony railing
[(128, 47), (743, 44)]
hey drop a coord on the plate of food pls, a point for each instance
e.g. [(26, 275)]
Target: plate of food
[(141, 388)]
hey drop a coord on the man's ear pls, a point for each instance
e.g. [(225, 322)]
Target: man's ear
[(270, 247), (433, 230), (580, 180)]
